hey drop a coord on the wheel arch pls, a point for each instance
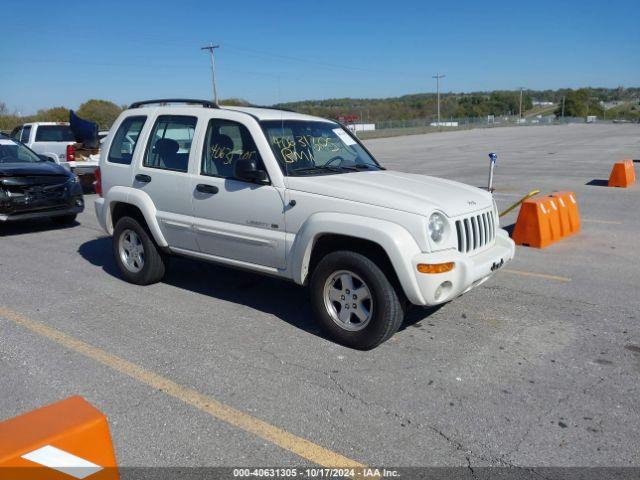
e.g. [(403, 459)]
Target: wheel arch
[(388, 244), (135, 204), (327, 243)]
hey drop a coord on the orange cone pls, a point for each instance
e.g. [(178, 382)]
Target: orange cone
[(623, 174), (66, 440)]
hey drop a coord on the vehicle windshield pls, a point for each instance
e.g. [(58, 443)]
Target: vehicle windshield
[(54, 133), (316, 148), (13, 152)]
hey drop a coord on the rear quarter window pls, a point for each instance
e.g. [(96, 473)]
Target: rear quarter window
[(125, 140), (54, 133)]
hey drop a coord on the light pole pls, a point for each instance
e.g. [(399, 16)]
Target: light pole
[(211, 47), (437, 76)]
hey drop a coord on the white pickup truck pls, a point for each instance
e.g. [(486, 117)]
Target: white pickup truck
[(56, 141), (297, 197)]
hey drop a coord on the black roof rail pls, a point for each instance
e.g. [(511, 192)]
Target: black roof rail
[(204, 103), (272, 108)]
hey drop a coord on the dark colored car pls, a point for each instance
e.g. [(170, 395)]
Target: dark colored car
[(34, 187)]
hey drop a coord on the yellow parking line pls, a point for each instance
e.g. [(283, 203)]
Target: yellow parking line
[(603, 222), (283, 439), (539, 275)]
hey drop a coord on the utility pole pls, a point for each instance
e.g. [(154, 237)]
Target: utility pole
[(437, 76), (211, 47), (521, 89), (563, 108)]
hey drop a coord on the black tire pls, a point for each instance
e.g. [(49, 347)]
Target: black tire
[(64, 219), (387, 312), (155, 261)]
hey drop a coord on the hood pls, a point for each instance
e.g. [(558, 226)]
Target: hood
[(21, 169), (408, 192)]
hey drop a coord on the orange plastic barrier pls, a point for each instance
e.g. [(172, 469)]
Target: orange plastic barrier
[(623, 174), (538, 223), (66, 440), (569, 212)]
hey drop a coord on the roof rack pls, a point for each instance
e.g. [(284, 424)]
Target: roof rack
[(272, 108), (204, 103)]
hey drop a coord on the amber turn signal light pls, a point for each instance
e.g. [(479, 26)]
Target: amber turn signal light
[(435, 267)]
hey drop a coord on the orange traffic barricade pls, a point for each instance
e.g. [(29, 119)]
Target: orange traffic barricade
[(622, 174), (569, 212), (538, 223), (66, 440)]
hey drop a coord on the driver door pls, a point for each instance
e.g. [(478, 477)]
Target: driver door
[(235, 219)]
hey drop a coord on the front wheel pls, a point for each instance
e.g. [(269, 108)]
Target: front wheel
[(354, 300), (136, 254)]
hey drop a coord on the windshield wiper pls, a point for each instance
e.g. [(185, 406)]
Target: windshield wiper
[(334, 168), (316, 169), (360, 166)]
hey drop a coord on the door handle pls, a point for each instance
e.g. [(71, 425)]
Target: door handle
[(204, 188), (143, 178)]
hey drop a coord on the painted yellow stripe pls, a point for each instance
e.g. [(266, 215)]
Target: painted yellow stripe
[(283, 439), (538, 275), (603, 222)]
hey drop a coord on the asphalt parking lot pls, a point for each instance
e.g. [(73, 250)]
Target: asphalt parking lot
[(537, 367)]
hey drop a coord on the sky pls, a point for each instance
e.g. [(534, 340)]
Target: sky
[(62, 53)]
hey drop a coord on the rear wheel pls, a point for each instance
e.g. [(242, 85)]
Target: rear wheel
[(64, 219), (354, 300), (136, 254)]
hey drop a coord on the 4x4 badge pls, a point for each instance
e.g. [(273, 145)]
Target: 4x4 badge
[(497, 265)]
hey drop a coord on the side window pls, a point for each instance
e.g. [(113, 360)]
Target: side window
[(225, 143), (15, 133), (125, 140), (26, 131), (170, 143)]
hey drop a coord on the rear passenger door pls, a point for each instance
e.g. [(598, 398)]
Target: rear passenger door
[(163, 175)]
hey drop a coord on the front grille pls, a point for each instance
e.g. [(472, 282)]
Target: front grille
[(475, 231)]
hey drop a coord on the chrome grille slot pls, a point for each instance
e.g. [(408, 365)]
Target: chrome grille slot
[(475, 231)]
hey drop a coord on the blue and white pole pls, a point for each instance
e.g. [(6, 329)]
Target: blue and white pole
[(492, 163)]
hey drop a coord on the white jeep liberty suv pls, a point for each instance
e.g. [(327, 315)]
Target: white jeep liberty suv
[(297, 197)]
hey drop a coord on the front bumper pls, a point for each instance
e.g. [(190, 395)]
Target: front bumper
[(78, 207), (468, 272), (64, 200)]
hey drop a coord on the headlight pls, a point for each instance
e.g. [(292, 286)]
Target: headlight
[(437, 226)]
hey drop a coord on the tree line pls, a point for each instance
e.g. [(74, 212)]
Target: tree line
[(102, 112), (578, 103), (571, 103)]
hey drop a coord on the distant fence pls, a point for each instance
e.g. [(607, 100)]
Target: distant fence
[(429, 124), (480, 121)]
